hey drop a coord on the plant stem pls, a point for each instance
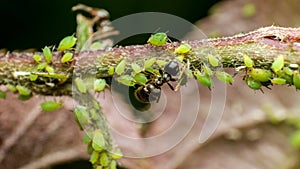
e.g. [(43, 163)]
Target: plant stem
[(262, 46)]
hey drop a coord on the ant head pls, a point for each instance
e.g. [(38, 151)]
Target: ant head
[(172, 68)]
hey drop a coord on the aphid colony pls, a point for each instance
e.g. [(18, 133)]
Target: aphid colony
[(279, 74)]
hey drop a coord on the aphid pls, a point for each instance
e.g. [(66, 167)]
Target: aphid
[(51, 75), (104, 161), (248, 61), (11, 88), (111, 70), (99, 85), (23, 90), (158, 39), (213, 60), (86, 139), (2, 94), (81, 116), (67, 57), (136, 68), (98, 140), (288, 71), (161, 63), (148, 63), (296, 80), (113, 165), (51, 105), (117, 154), (33, 77), (49, 69), (278, 81), (278, 63), (37, 58), (140, 78), (207, 70), (94, 114), (80, 85), (94, 157), (183, 48), (253, 84), (67, 43), (120, 68), (203, 79), (47, 54), (260, 74), (224, 77), (126, 80), (282, 74), (295, 139), (41, 66)]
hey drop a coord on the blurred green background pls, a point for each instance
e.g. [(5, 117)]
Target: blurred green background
[(35, 24)]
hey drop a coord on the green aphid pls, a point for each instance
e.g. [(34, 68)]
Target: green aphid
[(224, 77), (295, 139), (213, 60), (136, 68), (117, 154), (37, 58), (94, 115), (158, 39), (96, 105), (2, 94), (111, 70), (80, 85), (94, 157), (260, 74), (99, 85), (296, 80), (203, 79), (51, 105), (41, 66), (288, 71), (183, 48), (67, 43), (33, 77), (278, 81), (189, 73), (249, 10), (113, 165), (97, 46), (24, 98), (278, 63), (86, 139), (23, 90), (126, 80), (11, 88), (149, 62), (140, 78), (47, 54), (49, 69), (161, 63), (253, 84), (180, 58), (120, 68), (248, 61), (98, 140), (81, 115), (207, 70), (104, 160), (67, 57)]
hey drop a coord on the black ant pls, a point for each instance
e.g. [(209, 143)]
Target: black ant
[(151, 91)]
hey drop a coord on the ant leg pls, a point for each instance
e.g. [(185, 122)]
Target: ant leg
[(172, 88)]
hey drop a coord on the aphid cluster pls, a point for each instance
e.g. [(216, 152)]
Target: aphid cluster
[(279, 74)]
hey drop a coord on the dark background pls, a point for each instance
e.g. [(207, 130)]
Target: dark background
[(37, 23)]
